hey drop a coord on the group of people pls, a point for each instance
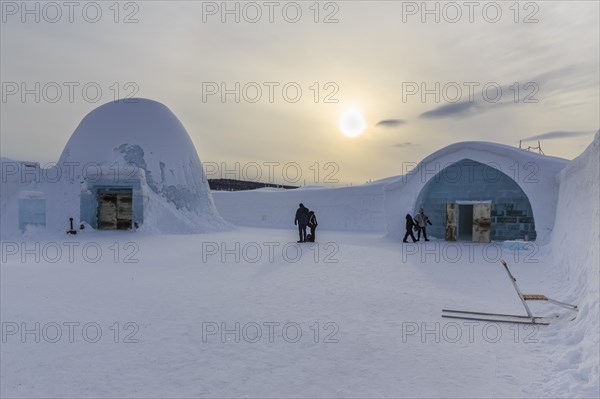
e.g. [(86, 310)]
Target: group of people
[(418, 223), (306, 218)]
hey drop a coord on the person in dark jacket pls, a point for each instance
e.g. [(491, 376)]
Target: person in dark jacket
[(301, 221), (312, 223), (410, 224)]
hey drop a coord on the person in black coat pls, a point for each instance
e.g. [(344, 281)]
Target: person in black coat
[(410, 224), (301, 221), (312, 223)]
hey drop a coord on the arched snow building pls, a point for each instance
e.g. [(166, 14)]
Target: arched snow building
[(137, 164), (478, 191)]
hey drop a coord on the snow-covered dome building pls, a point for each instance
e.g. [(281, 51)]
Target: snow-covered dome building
[(137, 165), (478, 191)]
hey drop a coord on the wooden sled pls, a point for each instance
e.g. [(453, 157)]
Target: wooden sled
[(510, 318)]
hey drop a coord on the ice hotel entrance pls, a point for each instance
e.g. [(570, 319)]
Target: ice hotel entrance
[(469, 221), (114, 209), (472, 201)]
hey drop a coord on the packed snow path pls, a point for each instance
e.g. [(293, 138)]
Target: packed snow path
[(372, 298)]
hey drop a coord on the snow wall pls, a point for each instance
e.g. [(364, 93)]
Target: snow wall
[(358, 208), (575, 256)]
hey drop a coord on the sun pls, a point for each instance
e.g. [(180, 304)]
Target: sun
[(352, 122)]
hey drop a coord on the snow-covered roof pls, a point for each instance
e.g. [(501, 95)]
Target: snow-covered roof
[(31, 195), (139, 131), (486, 153)]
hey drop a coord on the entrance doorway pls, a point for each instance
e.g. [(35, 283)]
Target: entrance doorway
[(114, 209), (465, 222), (469, 221)]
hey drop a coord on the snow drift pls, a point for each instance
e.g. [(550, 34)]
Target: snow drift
[(575, 256)]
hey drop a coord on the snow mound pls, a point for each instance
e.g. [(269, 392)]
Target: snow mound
[(575, 256), (137, 140), (144, 134)]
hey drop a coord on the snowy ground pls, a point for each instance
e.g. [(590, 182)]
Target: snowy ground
[(372, 299), (250, 313)]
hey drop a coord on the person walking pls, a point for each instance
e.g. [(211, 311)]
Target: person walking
[(312, 223), (422, 221), (410, 224), (301, 221)]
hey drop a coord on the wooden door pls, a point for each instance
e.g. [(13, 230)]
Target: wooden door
[(124, 211), (482, 222), (107, 211), (114, 209), (451, 218)]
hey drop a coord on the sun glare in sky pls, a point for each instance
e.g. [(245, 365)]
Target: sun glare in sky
[(352, 123)]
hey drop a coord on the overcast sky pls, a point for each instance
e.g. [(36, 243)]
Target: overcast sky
[(376, 57)]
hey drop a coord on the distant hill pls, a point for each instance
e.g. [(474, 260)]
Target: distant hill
[(240, 185)]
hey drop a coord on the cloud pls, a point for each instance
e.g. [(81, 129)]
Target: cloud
[(402, 145), (558, 80), (444, 111), (390, 123), (558, 134)]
